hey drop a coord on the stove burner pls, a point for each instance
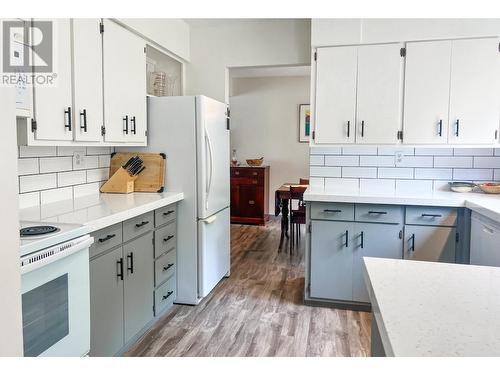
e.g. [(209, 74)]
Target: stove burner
[(37, 230)]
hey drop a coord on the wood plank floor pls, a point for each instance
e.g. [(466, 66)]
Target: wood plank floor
[(258, 310)]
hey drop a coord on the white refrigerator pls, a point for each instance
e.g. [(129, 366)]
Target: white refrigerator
[(194, 134)]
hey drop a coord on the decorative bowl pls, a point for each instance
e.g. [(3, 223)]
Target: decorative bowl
[(490, 188), (255, 162), (461, 187)]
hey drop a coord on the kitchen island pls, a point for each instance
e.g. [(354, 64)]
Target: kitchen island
[(433, 309)]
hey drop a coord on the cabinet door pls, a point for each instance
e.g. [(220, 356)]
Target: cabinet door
[(335, 103), (427, 92), (379, 93), (106, 304), (485, 237), (87, 79), (251, 201), (124, 63), (432, 244), (373, 240), (475, 91), (53, 104), (139, 284), (331, 260)]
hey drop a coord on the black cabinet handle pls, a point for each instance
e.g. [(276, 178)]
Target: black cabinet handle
[(348, 129), (131, 267), (362, 235), (363, 128), (125, 124), (120, 269), (346, 244), (132, 122), (168, 238), (431, 215), (440, 129), (67, 124), (141, 224), (168, 266), (107, 238), (412, 239), (83, 124), (457, 130), (331, 211), (168, 295), (168, 213), (377, 213)]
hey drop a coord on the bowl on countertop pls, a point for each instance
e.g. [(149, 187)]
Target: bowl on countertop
[(461, 186), (490, 188), (255, 162)]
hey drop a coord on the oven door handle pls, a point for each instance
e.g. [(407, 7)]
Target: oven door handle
[(53, 258)]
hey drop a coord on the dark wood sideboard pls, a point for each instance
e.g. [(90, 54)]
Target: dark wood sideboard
[(249, 195)]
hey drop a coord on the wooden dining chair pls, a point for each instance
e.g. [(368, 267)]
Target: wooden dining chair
[(297, 215), (304, 181)]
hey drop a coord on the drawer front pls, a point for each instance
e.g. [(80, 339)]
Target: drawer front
[(442, 216), (165, 267), (332, 211), (165, 296), (246, 181), (137, 225), (105, 239), (165, 214), (165, 239), (376, 213), (247, 172)]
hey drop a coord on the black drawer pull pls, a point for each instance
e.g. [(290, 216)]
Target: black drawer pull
[(362, 235), (457, 131), (83, 125), (432, 215), (131, 267), (440, 130), (141, 224), (168, 212), (132, 122), (168, 266), (120, 269), (377, 212), (346, 244), (412, 239), (168, 295), (125, 124), (67, 124), (331, 211), (107, 238), (168, 238), (348, 129), (363, 128)]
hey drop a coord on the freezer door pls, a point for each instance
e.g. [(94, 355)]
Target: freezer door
[(213, 156), (214, 251)]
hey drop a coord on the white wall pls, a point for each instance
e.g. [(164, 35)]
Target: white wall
[(10, 278), (218, 44), (171, 34), (379, 30), (264, 122)]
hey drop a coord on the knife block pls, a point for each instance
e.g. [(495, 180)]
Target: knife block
[(120, 182)]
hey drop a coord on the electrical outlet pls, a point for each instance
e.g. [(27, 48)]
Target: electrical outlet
[(78, 159), (398, 158)]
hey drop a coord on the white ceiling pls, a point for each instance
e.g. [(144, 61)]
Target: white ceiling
[(270, 71)]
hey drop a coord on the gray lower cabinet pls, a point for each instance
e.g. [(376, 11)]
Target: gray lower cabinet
[(106, 304), (429, 243), (139, 281)]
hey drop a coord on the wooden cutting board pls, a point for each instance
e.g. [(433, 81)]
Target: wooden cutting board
[(152, 179)]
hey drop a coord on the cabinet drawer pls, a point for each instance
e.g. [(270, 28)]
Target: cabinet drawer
[(165, 214), (375, 213), (165, 267), (247, 172), (332, 211), (165, 239), (137, 225), (105, 239), (246, 181), (441, 216), (165, 295)]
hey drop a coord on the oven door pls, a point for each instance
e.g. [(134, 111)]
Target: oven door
[(56, 307)]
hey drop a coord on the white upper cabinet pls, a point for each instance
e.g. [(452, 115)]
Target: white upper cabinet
[(379, 93), (427, 92), (335, 105), (87, 79), (124, 85), (474, 91), (53, 112)]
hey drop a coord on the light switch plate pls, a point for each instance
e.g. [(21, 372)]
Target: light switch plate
[(78, 159), (398, 158)]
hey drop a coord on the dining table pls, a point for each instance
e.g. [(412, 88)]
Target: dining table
[(282, 204)]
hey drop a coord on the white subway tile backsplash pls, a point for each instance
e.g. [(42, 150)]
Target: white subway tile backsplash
[(391, 150), (317, 182), (105, 161), (487, 162), (342, 161), (441, 186), (325, 171), (90, 162), (496, 151), (473, 174), (434, 151), (473, 151), (27, 166), (56, 164), (376, 186), (70, 150), (55, 195), (359, 150), (416, 161), (359, 172), (377, 161), (99, 150), (414, 186), (71, 178), (343, 184), (100, 174), (453, 162), (37, 182), (496, 174), (404, 173), (29, 199), (433, 173), (318, 150), (313, 160), (36, 151), (86, 189)]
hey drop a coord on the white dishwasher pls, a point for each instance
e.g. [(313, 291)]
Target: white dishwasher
[(484, 241)]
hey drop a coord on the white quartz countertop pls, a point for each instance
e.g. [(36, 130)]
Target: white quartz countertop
[(485, 204), (435, 309), (99, 211)]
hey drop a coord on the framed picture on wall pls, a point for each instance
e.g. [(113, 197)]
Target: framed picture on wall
[(304, 122)]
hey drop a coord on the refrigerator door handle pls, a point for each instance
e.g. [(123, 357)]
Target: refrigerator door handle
[(209, 182), (209, 220)]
